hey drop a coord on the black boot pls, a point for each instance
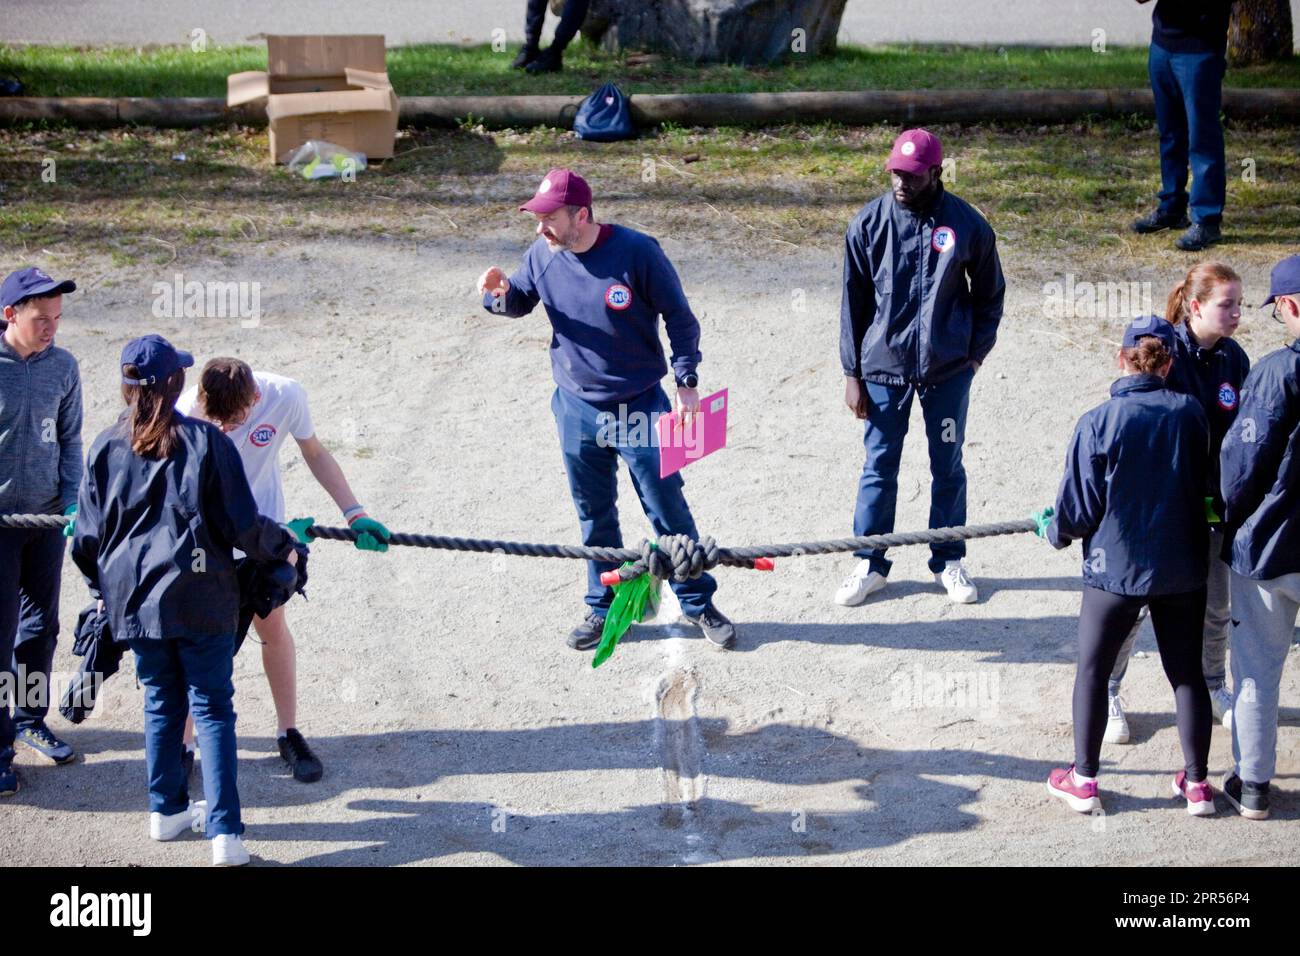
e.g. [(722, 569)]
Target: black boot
[(549, 60), (526, 56)]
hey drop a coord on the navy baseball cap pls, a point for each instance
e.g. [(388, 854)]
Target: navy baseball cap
[(1284, 279), (29, 282), (154, 356), (1149, 325)]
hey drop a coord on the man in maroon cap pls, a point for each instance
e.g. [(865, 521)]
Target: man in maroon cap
[(604, 288), (922, 300)]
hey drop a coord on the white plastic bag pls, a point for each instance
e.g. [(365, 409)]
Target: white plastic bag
[(317, 159)]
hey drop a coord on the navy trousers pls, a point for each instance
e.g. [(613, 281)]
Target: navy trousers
[(1188, 89), (31, 569)]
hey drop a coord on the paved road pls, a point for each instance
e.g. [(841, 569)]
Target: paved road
[(104, 22)]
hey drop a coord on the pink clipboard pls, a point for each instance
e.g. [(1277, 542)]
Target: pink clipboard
[(679, 447)]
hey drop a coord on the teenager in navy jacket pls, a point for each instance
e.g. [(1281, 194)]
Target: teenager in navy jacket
[(1134, 495), (163, 503), (1260, 466), (1205, 310)]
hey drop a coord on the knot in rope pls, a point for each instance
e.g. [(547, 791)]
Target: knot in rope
[(676, 557)]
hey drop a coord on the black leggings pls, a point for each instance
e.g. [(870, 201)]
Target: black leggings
[(575, 11), (1104, 621)]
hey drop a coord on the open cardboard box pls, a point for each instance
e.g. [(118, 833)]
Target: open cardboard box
[(331, 88)]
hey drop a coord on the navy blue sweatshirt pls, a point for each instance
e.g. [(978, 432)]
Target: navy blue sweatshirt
[(923, 291), (1214, 377), (1134, 491), (154, 537), (604, 305), (1260, 464)]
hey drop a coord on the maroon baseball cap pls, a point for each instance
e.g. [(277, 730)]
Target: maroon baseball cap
[(561, 187), (915, 151)]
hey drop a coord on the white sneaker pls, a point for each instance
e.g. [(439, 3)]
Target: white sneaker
[(860, 585), (1221, 704), (1116, 722), (960, 588), (228, 850), (169, 826)]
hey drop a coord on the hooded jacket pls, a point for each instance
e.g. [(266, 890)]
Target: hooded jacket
[(1134, 491)]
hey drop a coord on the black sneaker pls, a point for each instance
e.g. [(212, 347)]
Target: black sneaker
[(8, 780), (38, 737), (296, 753), (716, 627), (1157, 221), (526, 56), (187, 761), (1249, 799), (587, 634), (1200, 235), (549, 60)]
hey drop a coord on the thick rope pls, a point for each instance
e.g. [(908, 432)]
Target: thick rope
[(670, 557)]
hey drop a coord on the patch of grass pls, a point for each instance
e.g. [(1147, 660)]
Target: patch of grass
[(1046, 190), (444, 69)]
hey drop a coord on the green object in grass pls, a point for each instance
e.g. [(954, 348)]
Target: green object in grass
[(634, 600)]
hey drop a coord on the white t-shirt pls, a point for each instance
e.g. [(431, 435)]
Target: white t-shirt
[(280, 412)]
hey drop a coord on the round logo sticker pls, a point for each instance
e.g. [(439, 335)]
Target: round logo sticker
[(545, 186), (618, 297), (261, 435), (1227, 397), (908, 148), (943, 239)]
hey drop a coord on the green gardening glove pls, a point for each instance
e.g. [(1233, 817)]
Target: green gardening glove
[(1043, 519), (372, 535), (299, 526), (70, 512), (1210, 514)]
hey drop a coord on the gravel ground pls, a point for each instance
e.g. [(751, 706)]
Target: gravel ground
[(454, 724)]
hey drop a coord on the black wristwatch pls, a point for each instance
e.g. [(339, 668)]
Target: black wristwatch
[(689, 380)]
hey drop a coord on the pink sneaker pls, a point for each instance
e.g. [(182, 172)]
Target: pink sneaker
[(1060, 783), (1200, 796)]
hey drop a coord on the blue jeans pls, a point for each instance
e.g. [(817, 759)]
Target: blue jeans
[(944, 408), (592, 447), (190, 675), (1188, 90), (31, 569)]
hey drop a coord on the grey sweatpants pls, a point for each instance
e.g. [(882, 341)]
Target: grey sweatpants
[(1214, 646), (1265, 613)]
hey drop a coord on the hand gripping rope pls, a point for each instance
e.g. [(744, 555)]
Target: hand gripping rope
[(671, 557)]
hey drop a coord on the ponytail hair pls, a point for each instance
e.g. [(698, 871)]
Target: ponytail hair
[(151, 413), (1148, 357), (1198, 284)]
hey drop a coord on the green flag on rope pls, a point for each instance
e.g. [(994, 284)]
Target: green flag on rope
[(634, 601)]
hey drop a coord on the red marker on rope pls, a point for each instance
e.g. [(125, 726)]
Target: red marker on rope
[(610, 578)]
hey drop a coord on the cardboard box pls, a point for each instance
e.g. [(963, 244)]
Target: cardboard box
[(331, 88)]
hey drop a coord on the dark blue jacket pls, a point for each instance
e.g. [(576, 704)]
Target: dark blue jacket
[(154, 538), (604, 305), (1260, 470), (922, 291), (1214, 377), (1134, 491)]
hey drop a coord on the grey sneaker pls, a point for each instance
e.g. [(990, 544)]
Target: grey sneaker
[(587, 634), (1248, 799), (38, 737), (716, 627), (1157, 221)]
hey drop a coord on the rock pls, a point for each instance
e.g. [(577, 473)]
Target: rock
[(716, 31)]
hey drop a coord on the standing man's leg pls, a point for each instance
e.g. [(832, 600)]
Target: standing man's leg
[(279, 661), (591, 464), (1200, 78), (888, 408), (11, 549), (39, 581), (665, 505), (1171, 120), (944, 407), (1264, 615), (534, 18)]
